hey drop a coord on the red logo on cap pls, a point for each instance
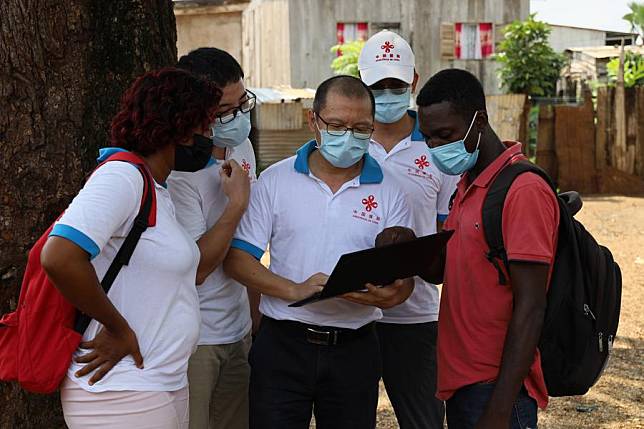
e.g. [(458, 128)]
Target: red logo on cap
[(245, 165), (370, 203), (388, 46)]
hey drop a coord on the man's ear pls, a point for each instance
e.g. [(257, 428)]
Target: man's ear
[(482, 120), (414, 82), (310, 119)]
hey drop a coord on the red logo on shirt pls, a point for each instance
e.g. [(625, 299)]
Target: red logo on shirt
[(370, 203), (422, 162), (246, 166)]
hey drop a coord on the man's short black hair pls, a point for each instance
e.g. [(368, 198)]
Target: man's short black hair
[(213, 64), (348, 86), (459, 87)]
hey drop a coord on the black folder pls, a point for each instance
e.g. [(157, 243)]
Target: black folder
[(380, 266)]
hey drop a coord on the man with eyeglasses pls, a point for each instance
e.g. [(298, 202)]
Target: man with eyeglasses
[(407, 332), (213, 200), (331, 198)]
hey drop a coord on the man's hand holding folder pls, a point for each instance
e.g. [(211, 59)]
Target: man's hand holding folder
[(395, 293)]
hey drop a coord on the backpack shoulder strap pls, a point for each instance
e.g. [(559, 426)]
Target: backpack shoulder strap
[(146, 217), (492, 213)]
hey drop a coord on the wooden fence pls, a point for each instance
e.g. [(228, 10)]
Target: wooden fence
[(595, 150)]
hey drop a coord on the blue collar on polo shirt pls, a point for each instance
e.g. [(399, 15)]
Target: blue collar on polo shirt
[(416, 135), (106, 152), (371, 171)]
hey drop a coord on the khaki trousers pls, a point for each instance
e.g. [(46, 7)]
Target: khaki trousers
[(219, 377)]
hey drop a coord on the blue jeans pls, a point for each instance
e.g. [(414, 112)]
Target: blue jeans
[(468, 404)]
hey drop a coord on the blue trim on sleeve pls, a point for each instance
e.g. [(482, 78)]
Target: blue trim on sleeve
[(76, 237), (106, 152), (442, 217), (247, 247)]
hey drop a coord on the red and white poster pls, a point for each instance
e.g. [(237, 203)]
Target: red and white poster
[(473, 41)]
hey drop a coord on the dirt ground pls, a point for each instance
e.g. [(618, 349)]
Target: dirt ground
[(617, 401)]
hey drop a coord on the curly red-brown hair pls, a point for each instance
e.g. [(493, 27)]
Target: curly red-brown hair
[(163, 107)]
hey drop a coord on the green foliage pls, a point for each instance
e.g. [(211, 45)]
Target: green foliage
[(347, 63), (528, 63), (633, 69), (636, 17)]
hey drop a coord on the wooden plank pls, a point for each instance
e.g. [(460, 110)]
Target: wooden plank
[(575, 148), (630, 108), (272, 146), (639, 149), (448, 39), (278, 116), (546, 157), (506, 114), (603, 124)]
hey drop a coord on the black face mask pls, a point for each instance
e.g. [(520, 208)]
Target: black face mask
[(193, 158)]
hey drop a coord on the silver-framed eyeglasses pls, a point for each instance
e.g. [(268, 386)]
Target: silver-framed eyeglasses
[(360, 132), (250, 100)]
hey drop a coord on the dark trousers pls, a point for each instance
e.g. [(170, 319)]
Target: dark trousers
[(409, 373), (291, 378), (468, 404)]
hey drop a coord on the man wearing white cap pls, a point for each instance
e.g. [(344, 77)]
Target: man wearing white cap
[(408, 331)]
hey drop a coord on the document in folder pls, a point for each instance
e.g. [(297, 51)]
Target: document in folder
[(380, 266)]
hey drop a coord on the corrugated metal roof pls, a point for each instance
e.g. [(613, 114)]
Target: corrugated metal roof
[(606, 51), (283, 94)]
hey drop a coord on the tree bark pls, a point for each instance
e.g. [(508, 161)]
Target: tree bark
[(63, 68)]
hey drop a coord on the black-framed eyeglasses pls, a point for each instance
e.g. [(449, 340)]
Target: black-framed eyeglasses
[(361, 132), (246, 106)]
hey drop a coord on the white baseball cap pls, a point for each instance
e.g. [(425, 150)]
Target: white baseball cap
[(386, 55)]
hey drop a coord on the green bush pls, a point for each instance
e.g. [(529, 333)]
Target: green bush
[(347, 63), (528, 63), (633, 69)]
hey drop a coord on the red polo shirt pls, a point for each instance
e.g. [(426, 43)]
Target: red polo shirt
[(475, 309)]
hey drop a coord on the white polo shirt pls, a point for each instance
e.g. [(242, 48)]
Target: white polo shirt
[(155, 292), (428, 191), (309, 228), (200, 201)]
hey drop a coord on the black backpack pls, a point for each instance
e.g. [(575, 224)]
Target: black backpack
[(584, 298)]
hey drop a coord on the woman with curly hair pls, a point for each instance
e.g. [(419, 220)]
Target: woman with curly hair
[(130, 371)]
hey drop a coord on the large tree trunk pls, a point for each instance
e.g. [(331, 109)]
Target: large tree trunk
[(63, 66)]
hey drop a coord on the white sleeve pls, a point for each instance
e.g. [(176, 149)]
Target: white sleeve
[(188, 204), (400, 213), (255, 228), (104, 208), (447, 189)]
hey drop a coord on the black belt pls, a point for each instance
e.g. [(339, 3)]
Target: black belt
[(320, 335)]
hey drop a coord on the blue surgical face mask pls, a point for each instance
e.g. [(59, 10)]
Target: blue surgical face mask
[(232, 133), (342, 151), (390, 106), (453, 158)]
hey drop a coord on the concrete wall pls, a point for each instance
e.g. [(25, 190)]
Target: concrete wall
[(216, 26), (313, 32), (562, 38)]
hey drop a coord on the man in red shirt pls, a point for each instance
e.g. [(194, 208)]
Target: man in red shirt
[(489, 369)]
